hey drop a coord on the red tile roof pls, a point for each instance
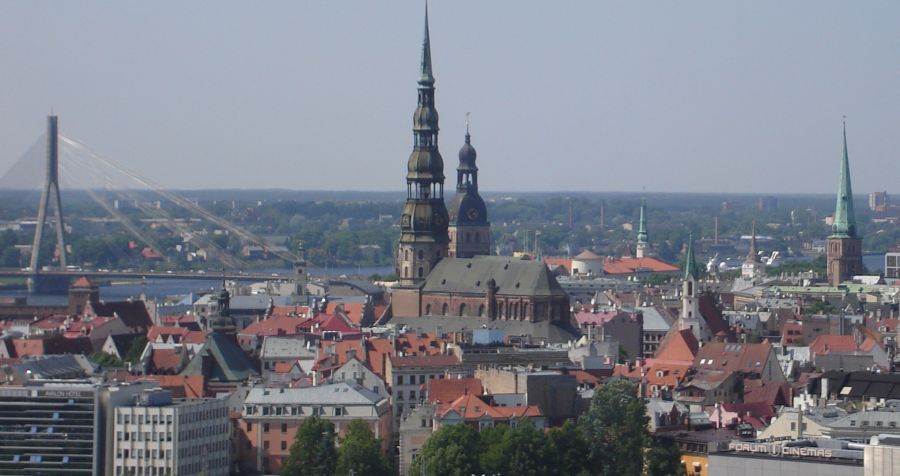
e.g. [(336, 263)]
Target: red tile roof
[(728, 357), (82, 282), (166, 360), (833, 344), (276, 325), (632, 265), (447, 390), (678, 346), (473, 408), (602, 317)]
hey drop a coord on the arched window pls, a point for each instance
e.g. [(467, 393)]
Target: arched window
[(406, 271), (421, 254), (406, 255), (515, 311), (525, 311), (428, 309), (690, 288), (500, 310), (421, 272), (445, 309), (481, 310), (462, 310)]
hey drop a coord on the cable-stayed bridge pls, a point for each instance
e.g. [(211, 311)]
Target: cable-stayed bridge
[(57, 160)]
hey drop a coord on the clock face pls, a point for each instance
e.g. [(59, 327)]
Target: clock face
[(472, 213), (404, 220)]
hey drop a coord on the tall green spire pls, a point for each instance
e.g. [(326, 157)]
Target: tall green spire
[(690, 266), (425, 76), (642, 227), (844, 219)]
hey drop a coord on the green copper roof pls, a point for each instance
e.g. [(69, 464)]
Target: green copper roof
[(642, 228), (425, 76), (844, 219), (690, 266)]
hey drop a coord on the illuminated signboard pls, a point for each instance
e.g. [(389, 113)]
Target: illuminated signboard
[(775, 449)]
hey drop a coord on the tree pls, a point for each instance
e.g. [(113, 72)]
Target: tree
[(569, 447), (664, 459), (360, 452), (452, 450), (136, 349), (616, 426), (313, 452), (529, 452)]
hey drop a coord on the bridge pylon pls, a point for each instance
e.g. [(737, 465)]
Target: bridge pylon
[(50, 194)]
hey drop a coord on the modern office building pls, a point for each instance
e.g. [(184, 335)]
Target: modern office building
[(155, 435), (50, 428)]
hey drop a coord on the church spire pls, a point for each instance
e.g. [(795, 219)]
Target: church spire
[(690, 266), (642, 227), (844, 217), (751, 253), (425, 75)]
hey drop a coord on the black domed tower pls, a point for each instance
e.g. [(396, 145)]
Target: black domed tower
[(423, 225), (470, 231)]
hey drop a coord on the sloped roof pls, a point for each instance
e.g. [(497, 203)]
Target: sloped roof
[(83, 282), (587, 255), (133, 313), (836, 344), (513, 277), (472, 407), (340, 393), (678, 345), (729, 357), (632, 265), (229, 362), (448, 390)]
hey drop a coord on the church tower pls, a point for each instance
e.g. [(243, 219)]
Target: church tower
[(690, 318), (423, 225), (752, 267), (470, 231), (642, 249), (844, 254)]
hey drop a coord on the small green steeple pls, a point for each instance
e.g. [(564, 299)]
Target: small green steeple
[(425, 75), (690, 266), (642, 227), (844, 219)]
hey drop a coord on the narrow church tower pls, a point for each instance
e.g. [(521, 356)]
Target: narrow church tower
[(752, 268), (844, 252), (690, 318), (470, 231), (642, 249), (423, 224)]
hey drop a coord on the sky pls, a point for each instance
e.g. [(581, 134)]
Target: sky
[(662, 96)]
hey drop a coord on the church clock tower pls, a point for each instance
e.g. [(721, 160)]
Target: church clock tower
[(424, 222), (470, 231), (844, 253)]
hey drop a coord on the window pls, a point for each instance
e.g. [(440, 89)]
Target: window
[(266, 444), (284, 427), (283, 445), (265, 427), (421, 272)]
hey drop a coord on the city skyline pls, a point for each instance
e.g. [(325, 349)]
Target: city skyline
[(632, 93)]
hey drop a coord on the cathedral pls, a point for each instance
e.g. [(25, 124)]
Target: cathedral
[(443, 265), (844, 247)]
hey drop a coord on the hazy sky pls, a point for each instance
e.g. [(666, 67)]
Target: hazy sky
[(692, 96)]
